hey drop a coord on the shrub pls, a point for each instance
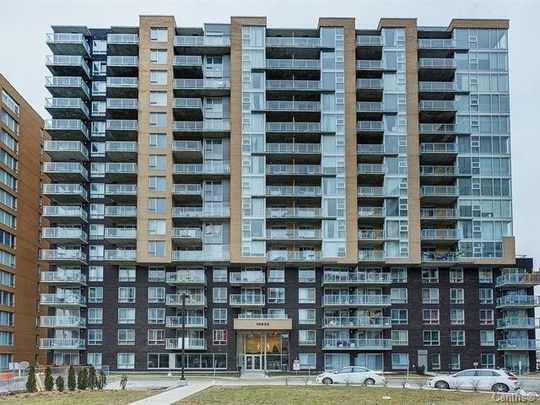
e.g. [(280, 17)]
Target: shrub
[(421, 370), (31, 384), (49, 381), (102, 380), (60, 383), (72, 381), (82, 379), (92, 378)]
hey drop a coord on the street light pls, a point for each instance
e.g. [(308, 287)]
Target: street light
[(184, 297)]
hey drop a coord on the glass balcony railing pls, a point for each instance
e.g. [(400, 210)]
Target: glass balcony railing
[(437, 63), (120, 211), (294, 255), (63, 277), (293, 191), (62, 255), (246, 278), (122, 125), (68, 82), (53, 321), (186, 102), (122, 82), (300, 212), (356, 299), (62, 344), (121, 146), (293, 127), (187, 146), (65, 189), (371, 168), (437, 86), (371, 212), (55, 168), (438, 213), (190, 322), (121, 168), (438, 129), (186, 233), (357, 343), (300, 148), (120, 255), (186, 277), (437, 105), (68, 38), (293, 85), (293, 234), (518, 300), (356, 277), (369, 84), (200, 84), (371, 192), (310, 64), (356, 322), (440, 234), (368, 40), (201, 212), (56, 125), (65, 211), (187, 60), (247, 299), (65, 146), (518, 279), (64, 103), (122, 61), (293, 169), (61, 61), (122, 39), (204, 168), (120, 233), (190, 343), (429, 256), (371, 255), (191, 300), (375, 149), (256, 315), (369, 65), (187, 189), (371, 234), (295, 42), (202, 126), (438, 191), (369, 106), (437, 170), (208, 40), (518, 344), (201, 255), (283, 105), (518, 323), (64, 233), (122, 103), (369, 126), (60, 299), (436, 43)]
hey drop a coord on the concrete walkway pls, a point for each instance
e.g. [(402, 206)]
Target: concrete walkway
[(174, 394)]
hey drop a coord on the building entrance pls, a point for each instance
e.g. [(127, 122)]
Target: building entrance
[(263, 351)]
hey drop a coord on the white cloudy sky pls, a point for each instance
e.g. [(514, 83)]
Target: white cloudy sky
[(24, 23)]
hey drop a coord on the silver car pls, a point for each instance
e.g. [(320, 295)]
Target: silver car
[(481, 379)]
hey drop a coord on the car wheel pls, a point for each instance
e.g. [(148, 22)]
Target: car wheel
[(327, 380), (442, 385), (500, 387), (369, 381)]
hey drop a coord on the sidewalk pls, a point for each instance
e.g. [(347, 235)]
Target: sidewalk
[(174, 394)]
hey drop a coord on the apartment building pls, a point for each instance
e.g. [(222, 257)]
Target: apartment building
[(21, 142), (324, 197)]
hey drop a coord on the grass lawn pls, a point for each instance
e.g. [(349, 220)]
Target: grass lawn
[(105, 397), (323, 395)]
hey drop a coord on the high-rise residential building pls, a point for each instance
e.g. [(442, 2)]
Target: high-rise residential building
[(21, 143), (320, 197)]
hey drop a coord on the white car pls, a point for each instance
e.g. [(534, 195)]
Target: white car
[(351, 375), (481, 379)]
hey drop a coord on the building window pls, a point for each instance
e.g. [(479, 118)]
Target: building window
[(398, 295), (158, 77), (485, 276), (126, 295), (306, 275), (457, 337), (157, 227), (487, 338), (158, 34), (126, 337), (455, 362), (276, 295), (430, 295), (219, 316), (486, 295), (308, 361), (126, 315), (156, 248), (219, 275), (400, 361), (6, 338), (157, 183), (487, 360), (336, 361), (157, 162), (158, 56), (94, 359), (156, 274), (156, 315), (156, 295), (457, 316), (95, 295), (430, 316), (457, 296), (126, 274), (95, 315), (399, 316), (306, 295), (219, 295), (99, 68), (156, 336), (276, 275), (125, 361), (95, 336), (400, 337), (432, 338), (306, 316), (398, 275), (157, 141), (99, 47), (430, 275), (157, 205), (219, 337), (158, 98), (435, 361), (456, 275), (95, 273), (99, 88), (10, 102), (307, 337), (158, 120), (487, 317)]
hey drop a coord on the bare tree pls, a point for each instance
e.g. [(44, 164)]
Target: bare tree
[(475, 382), (404, 383), (456, 385), (347, 381), (421, 383)]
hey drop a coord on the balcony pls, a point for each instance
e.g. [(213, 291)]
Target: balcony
[(346, 278), (202, 169), (296, 213), (437, 63), (292, 42), (436, 68), (371, 212), (190, 343), (187, 149), (191, 106), (371, 256), (289, 235), (65, 193), (120, 235), (121, 171), (293, 170), (246, 278), (62, 322), (369, 87), (187, 190), (293, 106), (370, 126), (201, 212), (293, 148), (256, 315), (120, 256), (66, 150), (357, 344), (186, 234), (247, 300), (438, 106), (442, 194), (210, 43), (186, 277), (121, 150), (371, 169), (62, 344), (369, 65), (68, 256), (371, 235), (66, 65), (443, 174), (65, 171), (517, 280), (436, 43), (440, 257), (123, 129), (440, 235), (120, 211), (437, 87), (121, 191), (292, 64), (71, 214), (192, 322), (67, 86), (122, 44), (518, 323), (518, 301), (356, 300), (294, 256), (64, 235), (201, 87), (192, 301), (293, 127), (283, 86), (356, 322), (371, 192), (372, 109), (193, 62), (65, 43), (293, 191), (518, 344), (122, 65), (439, 129), (59, 300), (70, 130), (218, 127), (438, 214), (62, 277), (369, 40), (201, 255), (122, 108), (67, 108), (122, 86)]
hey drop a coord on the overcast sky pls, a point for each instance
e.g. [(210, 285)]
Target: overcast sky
[(24, 23)]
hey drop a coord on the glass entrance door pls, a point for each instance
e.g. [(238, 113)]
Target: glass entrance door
[(253, 362)]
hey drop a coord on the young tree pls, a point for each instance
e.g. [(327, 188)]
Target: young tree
[(31, 383), (60, 383), (102, 380), (72, 381), (123, 381), (49, 381), (82, 378), (92, 378)]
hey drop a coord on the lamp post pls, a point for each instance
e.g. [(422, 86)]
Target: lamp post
[(184, 296)]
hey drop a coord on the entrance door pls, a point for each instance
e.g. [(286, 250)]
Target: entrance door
[(253, 362)]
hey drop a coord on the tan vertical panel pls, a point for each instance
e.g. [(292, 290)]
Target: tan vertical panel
[(479, 23), (145, 24), (236, 138), (351, 173), (413, 136)]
